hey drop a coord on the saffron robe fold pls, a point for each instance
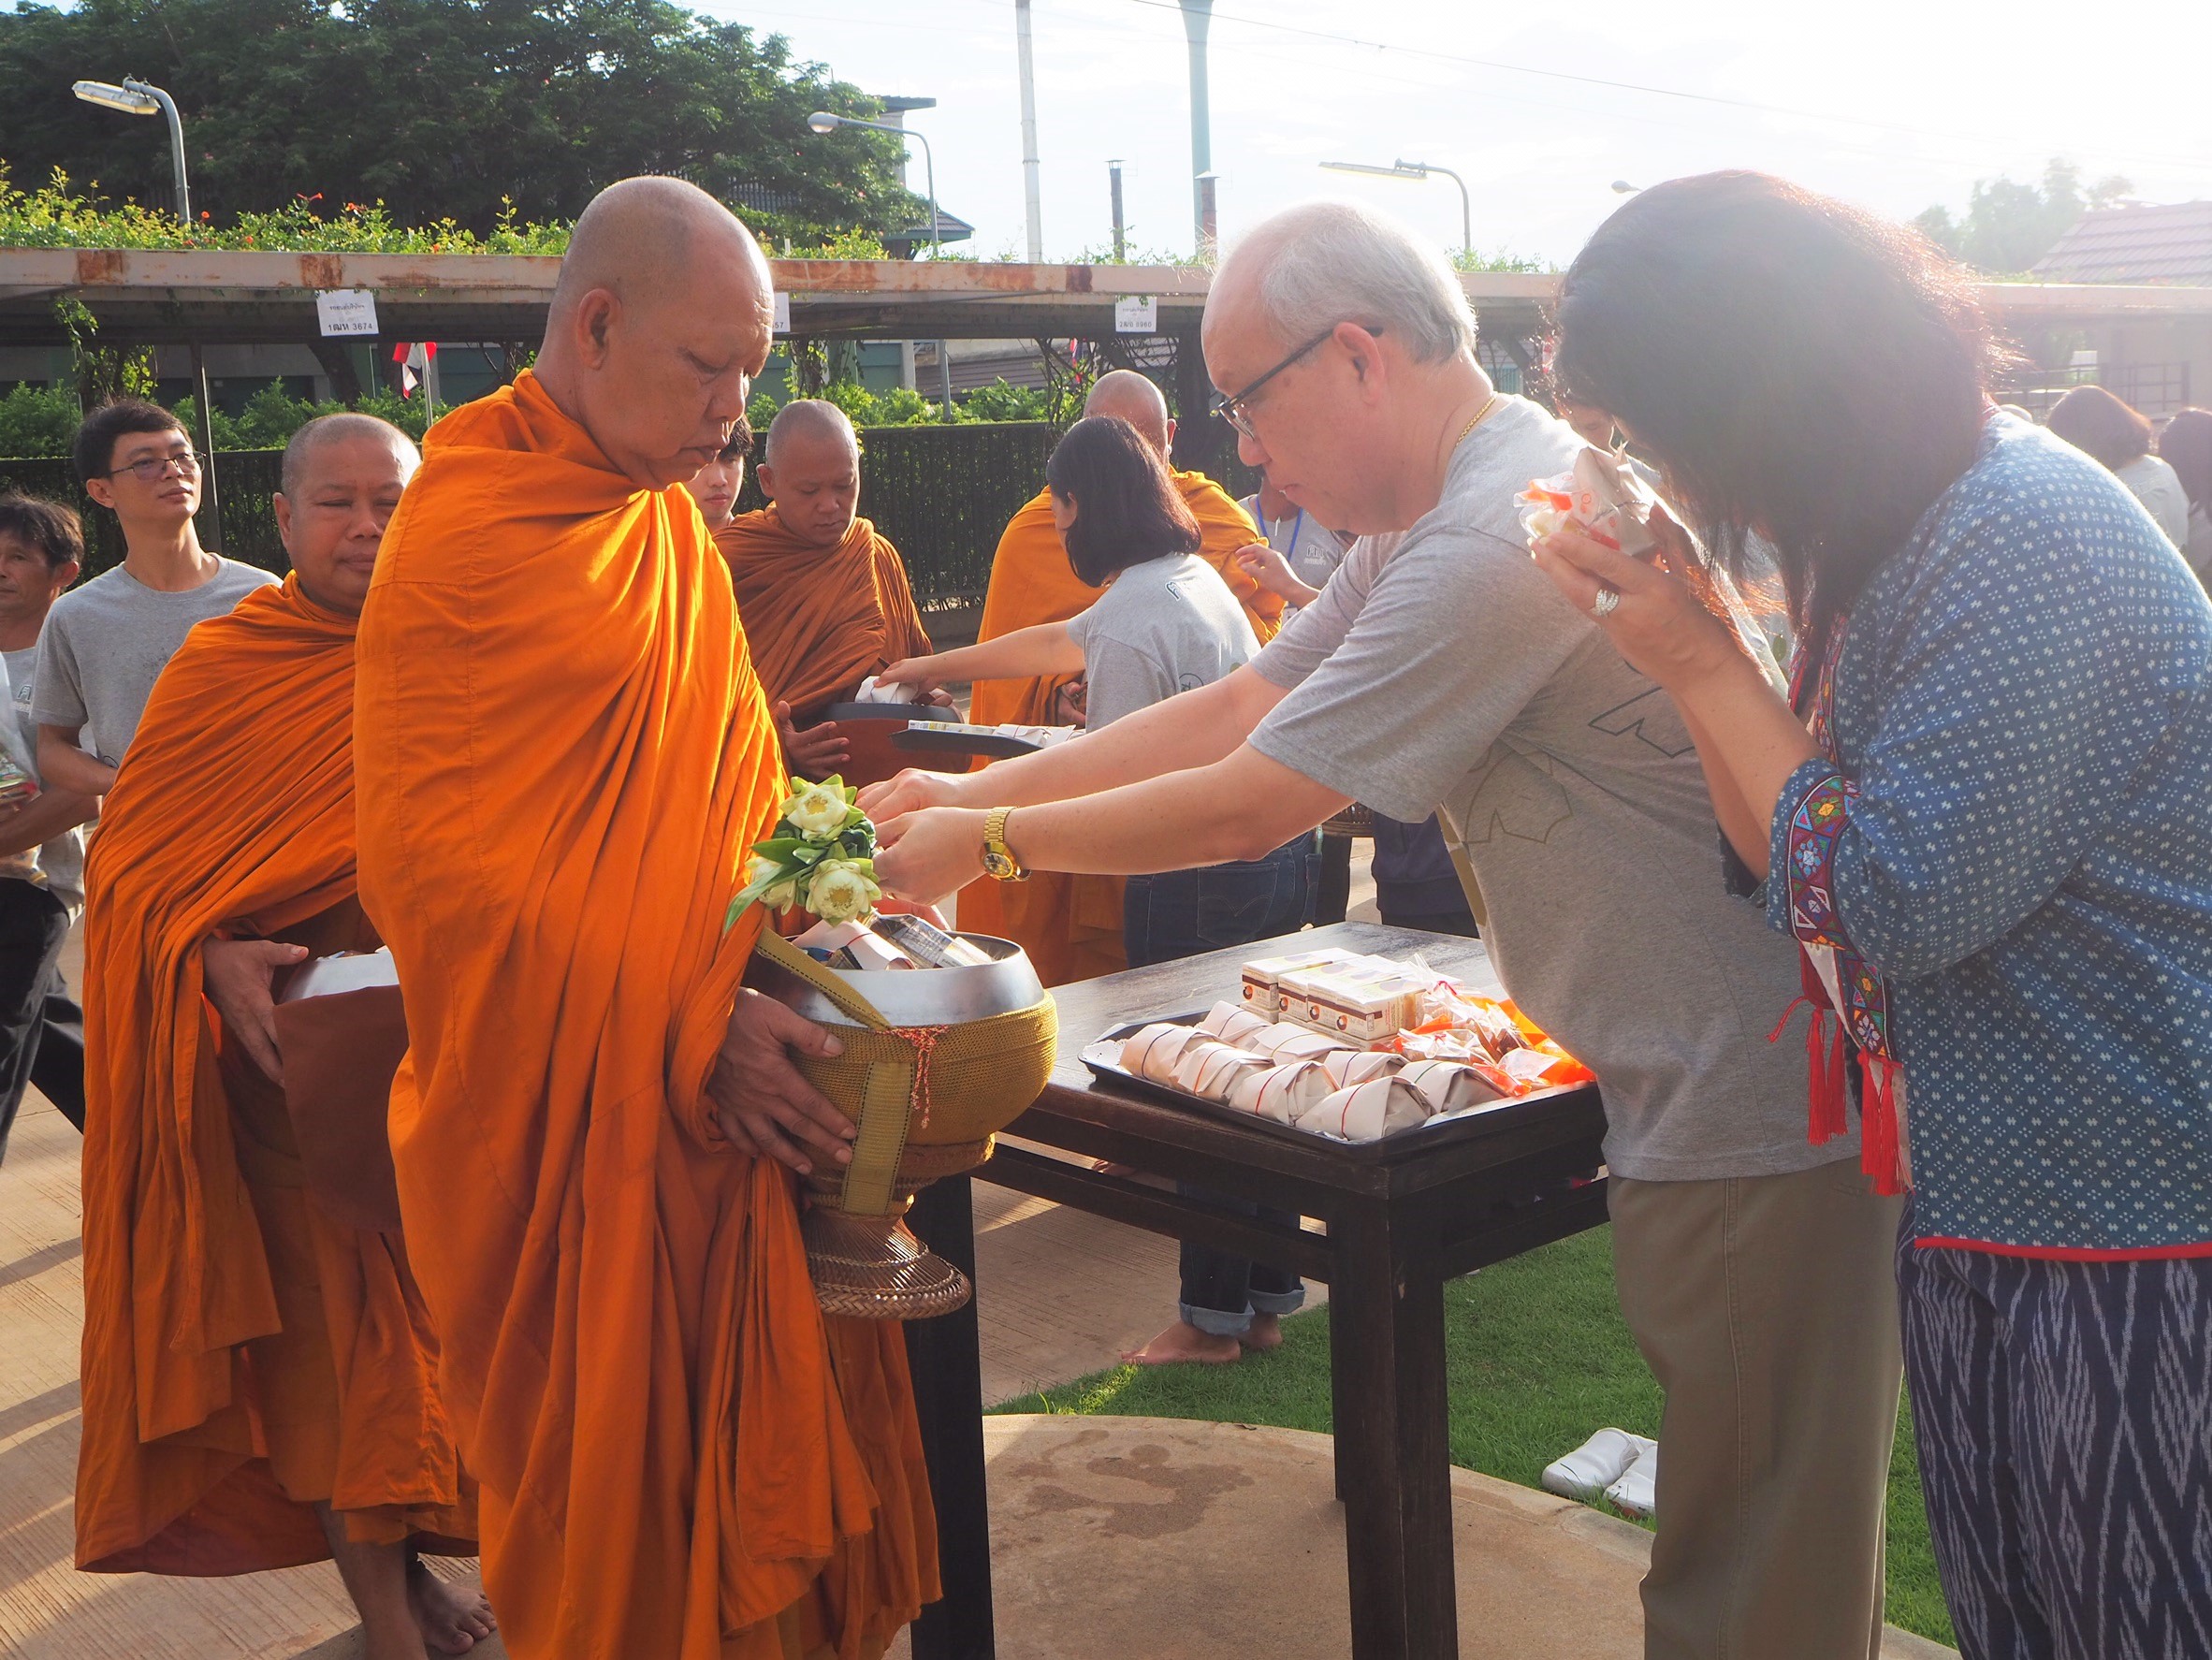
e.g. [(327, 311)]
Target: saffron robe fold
[(1070, 926), (244, 1355), (565, 755), (819, 621)]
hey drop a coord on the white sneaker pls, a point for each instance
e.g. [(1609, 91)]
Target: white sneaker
[(1594, 1466), (1637, 1491)]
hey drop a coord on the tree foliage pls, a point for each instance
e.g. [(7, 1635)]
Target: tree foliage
[(2008, 226), (465, 110)]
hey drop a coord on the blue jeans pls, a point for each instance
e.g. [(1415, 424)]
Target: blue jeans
[(1181, 913)]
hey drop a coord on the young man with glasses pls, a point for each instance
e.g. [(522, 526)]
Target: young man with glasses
[(106, 642)]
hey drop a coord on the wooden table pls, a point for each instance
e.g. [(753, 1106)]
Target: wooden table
[(1402, 1216)]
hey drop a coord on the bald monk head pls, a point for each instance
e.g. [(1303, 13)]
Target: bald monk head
[(660, 321), (812, 471), (1127, 394), (341, 482)]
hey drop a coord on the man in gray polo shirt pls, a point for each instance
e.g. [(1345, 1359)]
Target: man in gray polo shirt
[(1753, 1267)]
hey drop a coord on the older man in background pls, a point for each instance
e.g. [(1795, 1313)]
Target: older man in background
[(565, 755), (258, 1369), (1070, 926), (823, 596), (1754, 1267)]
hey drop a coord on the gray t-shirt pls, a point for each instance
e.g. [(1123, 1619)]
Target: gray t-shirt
[(1450, 675), (1165, 626), (107, 643), (57, 864)]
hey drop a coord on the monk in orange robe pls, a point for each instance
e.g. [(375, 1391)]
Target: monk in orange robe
[(1070, 926), (824, 598), (564, 756), (258, 1374)]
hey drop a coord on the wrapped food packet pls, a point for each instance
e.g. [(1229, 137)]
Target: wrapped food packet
[(1153, 1052), (1601, 497), (1282, 1093), (1367, 1111), (15, 785), (1232, 1024), (1347, 1067)]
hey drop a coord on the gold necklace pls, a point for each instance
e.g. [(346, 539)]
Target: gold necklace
[(1480, 415)]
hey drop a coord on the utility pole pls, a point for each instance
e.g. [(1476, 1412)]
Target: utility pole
[(1197, 15), (1121, 240), (1029, 162)]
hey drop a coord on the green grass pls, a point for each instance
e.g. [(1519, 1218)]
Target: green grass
[(1537, 1357)]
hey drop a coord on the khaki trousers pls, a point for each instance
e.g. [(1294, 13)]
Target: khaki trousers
[(1767, 1308)]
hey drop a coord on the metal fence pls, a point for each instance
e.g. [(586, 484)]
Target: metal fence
[(941, 494)]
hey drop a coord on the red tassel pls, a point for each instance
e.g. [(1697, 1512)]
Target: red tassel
[(1878, 1143), (1828, 1113)]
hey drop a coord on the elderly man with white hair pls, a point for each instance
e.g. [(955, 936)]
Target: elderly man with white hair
[(1449, 674)]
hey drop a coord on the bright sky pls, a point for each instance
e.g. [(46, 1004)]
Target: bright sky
[(1895, 103)]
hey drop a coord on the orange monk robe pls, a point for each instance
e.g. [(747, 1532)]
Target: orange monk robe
[(819, 620), (244, 1354), (1070, 926), (565, 755)]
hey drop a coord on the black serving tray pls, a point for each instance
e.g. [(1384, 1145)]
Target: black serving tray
[(1102, 1055)]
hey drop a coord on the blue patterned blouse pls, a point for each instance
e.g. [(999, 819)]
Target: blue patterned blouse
[(2023, 713)]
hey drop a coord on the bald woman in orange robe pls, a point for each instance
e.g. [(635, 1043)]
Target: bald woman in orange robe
[(1070, 926), (564, 754), (824, 596), (258, 1375)]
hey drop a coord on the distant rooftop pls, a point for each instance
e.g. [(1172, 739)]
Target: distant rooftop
[(2171, 243)]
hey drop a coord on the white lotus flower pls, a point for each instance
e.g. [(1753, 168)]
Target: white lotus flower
[(841, 891), (818, 810)]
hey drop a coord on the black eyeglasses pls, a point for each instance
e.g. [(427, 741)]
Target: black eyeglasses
[(1231, 406), (154, 469)]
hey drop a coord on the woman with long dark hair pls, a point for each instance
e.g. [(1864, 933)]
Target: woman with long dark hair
[(1986, 814), (2107, 428), (2186, 445), (1166, 623)]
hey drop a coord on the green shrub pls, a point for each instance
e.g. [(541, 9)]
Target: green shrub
[(37, 421)]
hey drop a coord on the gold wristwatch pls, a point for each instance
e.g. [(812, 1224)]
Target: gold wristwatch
[(999, 858)]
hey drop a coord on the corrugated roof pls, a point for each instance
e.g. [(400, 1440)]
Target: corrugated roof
[(2170, 243)]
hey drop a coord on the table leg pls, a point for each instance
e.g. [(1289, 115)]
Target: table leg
[(948, 1395), (1386, 1325)]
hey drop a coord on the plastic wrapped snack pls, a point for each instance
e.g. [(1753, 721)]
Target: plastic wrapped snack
[(1347, 1067), (1211, 1069), (1368, 1112), (1282, 1093), (1449, 1087), (1601, 497), (1232, 1024), (1153, 1051), (1288, 1042)]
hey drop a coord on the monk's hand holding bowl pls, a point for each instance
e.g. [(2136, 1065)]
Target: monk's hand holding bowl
[(762, 1102), (1653, 617), (814, 753), (927, 855), (238, 976)]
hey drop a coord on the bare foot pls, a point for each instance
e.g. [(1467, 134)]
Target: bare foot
[(1266, 1333), (452, 1617), (1184, 1340)]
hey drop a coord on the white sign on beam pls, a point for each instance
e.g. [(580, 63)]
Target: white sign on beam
[(782, 324), (345, 311), (1136, 313)]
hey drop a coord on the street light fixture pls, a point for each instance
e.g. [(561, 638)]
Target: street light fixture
[(1416, 170), (823, 123), (138, 97)]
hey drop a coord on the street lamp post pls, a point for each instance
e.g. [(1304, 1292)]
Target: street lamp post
[(1418, 169), (823, 123), (138, 97)]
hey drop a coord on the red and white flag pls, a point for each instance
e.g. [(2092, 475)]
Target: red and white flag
[(414, 359)]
